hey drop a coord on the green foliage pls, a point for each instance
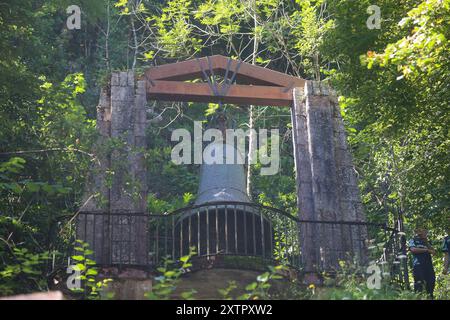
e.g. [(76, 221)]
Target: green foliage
[(226, 292), (174, 28), (169, 278), (91, 287), (393, 99), (311, 29), (43, 120), (258, 289), (442, 290), (25, 272), (350, 288), (42, 185), (425, 49)]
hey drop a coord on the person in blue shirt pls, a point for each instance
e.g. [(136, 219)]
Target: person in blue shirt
[(423, 271), (446, 250)]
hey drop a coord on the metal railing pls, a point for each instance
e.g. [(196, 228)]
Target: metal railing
[(235, 229), (393, 259), (231, 229)]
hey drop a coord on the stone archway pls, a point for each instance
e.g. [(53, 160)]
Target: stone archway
[(327, 190)]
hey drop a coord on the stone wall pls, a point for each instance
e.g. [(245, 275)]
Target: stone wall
[(326, 181)]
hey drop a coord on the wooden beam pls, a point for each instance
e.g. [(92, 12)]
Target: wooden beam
[(247, 73), (183, 70), (251, 74), (201, 92)]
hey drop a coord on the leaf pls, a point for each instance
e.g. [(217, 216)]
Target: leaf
[(149, 55), (121, 3), (184, 258), (263, 277), (92, 272), (187, 295), (80, 267), (252, 286), (212, 108), (78, 258), (169, 274)]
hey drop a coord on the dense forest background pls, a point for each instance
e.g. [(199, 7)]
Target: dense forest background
[(393, 85)]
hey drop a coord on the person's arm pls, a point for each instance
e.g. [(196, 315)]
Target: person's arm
[(416, 250), (430, 248)]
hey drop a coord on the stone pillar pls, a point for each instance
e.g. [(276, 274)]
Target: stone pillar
[(326, 183), (120, 236), (122, 105), (305, 200), (139, 172), (138, 161)]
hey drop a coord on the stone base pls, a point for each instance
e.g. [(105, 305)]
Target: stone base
[(208, 282), (129, 289), (128, 283), (133, 284)]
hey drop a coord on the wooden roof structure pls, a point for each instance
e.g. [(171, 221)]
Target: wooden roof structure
[(241, 82)]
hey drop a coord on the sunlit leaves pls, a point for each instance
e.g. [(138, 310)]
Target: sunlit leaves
[(28, 266), (211, 109), (425, 50), (170, 273), (91, 287), (394, 87), (225, 14)]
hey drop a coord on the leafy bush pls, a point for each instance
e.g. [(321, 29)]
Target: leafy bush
[(25, 274), (169, 277), (90, 287)]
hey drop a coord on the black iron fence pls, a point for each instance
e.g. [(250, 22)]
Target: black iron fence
[(236, 229)]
